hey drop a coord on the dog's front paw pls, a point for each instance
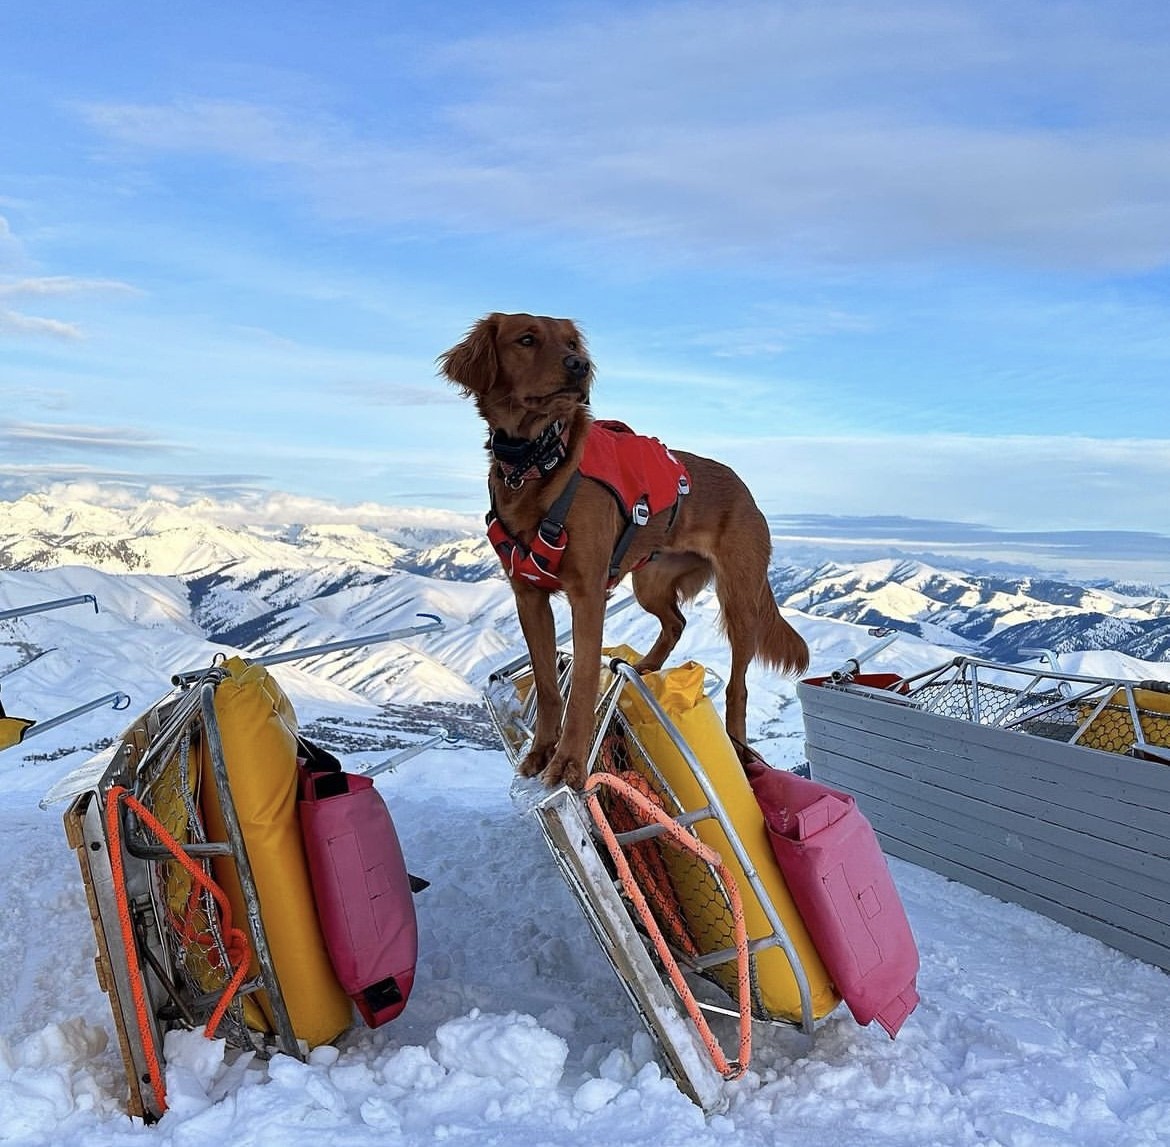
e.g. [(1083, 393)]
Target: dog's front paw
[(565, 769), (536, 760)]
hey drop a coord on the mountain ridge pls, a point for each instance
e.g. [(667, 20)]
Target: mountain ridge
[(179, 587), (245, 581)]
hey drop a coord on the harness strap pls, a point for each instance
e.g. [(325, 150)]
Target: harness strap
[(539, 563), (627, 536), (637, 517)]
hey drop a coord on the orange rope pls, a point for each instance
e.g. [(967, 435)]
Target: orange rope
[(235, 941), (651, 813), (649, 867)]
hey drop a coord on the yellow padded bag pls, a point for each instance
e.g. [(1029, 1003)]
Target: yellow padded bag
[(12, 730), (680, 693), (257, 726)]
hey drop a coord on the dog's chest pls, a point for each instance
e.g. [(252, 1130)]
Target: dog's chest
[(642, 476)]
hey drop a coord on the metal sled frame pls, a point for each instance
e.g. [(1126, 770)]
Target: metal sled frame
[(1056, 705), (575, 835), (161, 973)]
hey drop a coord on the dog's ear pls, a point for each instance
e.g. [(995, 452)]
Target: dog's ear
[(471, 364)]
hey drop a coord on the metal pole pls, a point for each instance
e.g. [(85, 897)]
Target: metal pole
[(118, 700), (853, 665), (400, 758), (436, 623), (285, 1034), (42, 606), (349, 643)]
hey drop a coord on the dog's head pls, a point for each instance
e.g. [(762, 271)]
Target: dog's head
[(523, 371)]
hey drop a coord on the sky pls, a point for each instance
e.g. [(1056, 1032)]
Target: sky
[(888, 260)]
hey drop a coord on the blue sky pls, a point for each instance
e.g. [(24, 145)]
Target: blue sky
[(909, 260)]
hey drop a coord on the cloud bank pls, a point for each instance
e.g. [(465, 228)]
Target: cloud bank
[(751, 131)]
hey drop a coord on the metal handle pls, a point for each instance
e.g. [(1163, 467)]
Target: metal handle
[(42, 606), (853, 665), (433, 625), (400, 758), (117, 700)]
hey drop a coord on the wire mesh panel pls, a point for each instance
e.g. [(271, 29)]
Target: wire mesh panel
[(985, 704), (1132, 719), (1127, 717)]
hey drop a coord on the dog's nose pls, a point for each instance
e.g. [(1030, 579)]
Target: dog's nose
[(577, 366)]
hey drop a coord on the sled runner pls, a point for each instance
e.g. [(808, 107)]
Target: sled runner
[(667, 851), (238, 879)]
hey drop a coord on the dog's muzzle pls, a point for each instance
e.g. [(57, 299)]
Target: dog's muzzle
[(577, 367)]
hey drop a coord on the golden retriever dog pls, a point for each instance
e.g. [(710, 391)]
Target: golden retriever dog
[(530, 379)]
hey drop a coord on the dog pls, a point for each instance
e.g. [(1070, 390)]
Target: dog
[(530, 378)]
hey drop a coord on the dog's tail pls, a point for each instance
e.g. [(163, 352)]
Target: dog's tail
[(777, 643)]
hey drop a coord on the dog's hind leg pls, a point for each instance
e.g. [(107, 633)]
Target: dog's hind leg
[(660, 587)]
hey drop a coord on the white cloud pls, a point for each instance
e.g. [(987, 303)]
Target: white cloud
[(59, 285), (41, 438), (1024, 482), (10, 250), (13, 322), (230, 499), (756, 131)]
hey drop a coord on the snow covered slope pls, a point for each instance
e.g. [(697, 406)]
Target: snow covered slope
[(994, 615)]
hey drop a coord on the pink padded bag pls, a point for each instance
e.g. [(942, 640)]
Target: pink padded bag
[(362, 890), (841, 884)]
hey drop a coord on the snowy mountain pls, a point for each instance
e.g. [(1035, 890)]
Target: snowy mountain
[(243, 575), (179, 585), (997, 616)]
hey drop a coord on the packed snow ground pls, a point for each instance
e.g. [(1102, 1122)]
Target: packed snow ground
[(517, 1032)]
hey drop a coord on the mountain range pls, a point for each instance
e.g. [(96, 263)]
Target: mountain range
[(180, 584)]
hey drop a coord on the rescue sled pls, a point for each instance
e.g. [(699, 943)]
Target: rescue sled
[(1045, 788), (668, 851), (239, 881)]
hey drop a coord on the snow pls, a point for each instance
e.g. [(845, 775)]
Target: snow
[(517, 1033)]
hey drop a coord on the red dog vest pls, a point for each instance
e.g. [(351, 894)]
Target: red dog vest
[(642, 475)]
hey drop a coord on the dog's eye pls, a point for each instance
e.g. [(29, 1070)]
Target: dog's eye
[(572, 344), (527, 340)]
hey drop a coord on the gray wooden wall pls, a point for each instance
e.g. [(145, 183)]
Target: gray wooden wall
[(1080, 835)]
